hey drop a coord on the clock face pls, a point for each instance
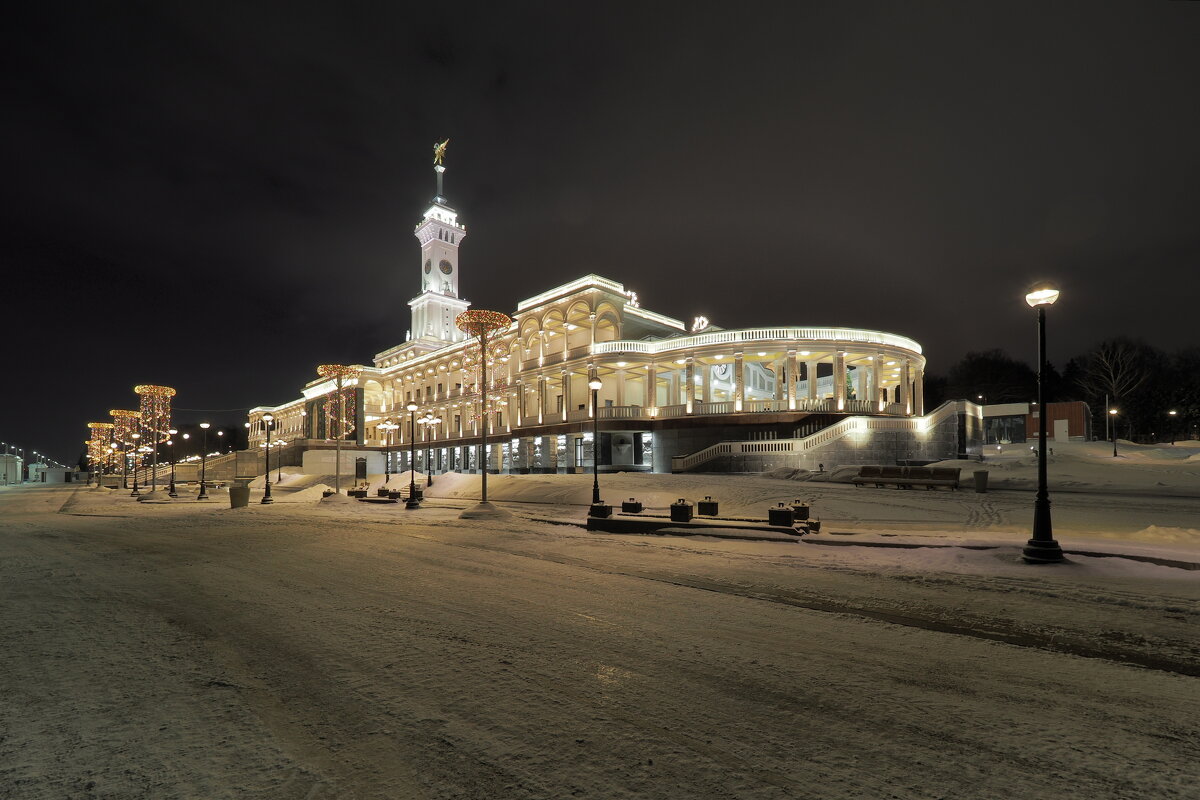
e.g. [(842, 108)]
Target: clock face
[(446, 267), (428, 267)]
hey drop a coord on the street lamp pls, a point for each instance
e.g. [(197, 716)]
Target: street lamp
[(171, 444), (1112, 414), (204, 464), (388, 426), (267, 427), (1042, 549), (427, 422), (598, 508), (1172, 414), (413, 500), (135, 437), (279, 462)]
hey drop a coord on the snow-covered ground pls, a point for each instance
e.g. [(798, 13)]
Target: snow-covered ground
[(314, 649)]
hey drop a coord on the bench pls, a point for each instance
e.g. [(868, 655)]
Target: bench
[(908, 477)]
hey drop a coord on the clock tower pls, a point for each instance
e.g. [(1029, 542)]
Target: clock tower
[(440, 235)]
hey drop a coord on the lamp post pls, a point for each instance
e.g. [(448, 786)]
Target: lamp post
[(427, 422), (1042, 549), (1172, 414), (1112, 414), (598, 508), (267, 427), (136, 450), (279, 462), (203, 464), (171, 444), (112, 447), (388, 427), (413, 501)]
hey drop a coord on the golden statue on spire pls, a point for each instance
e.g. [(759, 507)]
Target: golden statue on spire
[(439, 152)]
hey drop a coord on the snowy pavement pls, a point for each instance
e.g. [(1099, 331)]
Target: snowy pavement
[(316, 650)]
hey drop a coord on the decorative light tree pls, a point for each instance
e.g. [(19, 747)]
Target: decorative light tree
[(339, 409), (99, 452), (483, 327), (125, 425), (156, 421)]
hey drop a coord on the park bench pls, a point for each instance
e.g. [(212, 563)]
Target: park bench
[(908, 477)]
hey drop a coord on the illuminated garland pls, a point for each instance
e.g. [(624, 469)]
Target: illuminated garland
[(472, 366), (339, 404), (156, 409), (481, 324), (125, 424), (339, 371), (99, 452)]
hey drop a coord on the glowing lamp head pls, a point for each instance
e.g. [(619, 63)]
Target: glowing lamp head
[(1041, 294), (595, 384), (187, 436), (220, 433), (1112, 411), (411, 407), (268, 417), (205, 425)]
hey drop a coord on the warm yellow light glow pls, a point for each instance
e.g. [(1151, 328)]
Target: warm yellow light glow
[(1041, 294)]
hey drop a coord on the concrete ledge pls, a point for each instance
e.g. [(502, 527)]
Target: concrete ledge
[(638, 524)]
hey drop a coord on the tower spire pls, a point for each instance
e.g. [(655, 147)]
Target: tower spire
[(439, 153)]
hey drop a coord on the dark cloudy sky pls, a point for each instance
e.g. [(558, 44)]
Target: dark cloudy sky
[(219, 197)]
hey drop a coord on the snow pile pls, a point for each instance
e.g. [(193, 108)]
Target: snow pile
[(336, 500), (1157, 533), (312, 494)]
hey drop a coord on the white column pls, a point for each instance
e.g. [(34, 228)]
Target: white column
[(791, 380), (620, 376), (541, 399), (705, 383), (779, 380), (878, 372), (689, 388), (739, 382), (919, 392), (839, 380), (906, 387), (810, 368), (651, 391), (566, 393)]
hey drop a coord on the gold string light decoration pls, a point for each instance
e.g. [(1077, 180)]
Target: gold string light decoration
[(339, 404), (99, 453), (482, 325), (156, 409)]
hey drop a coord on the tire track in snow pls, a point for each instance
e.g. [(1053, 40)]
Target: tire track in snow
[(1003, 632)]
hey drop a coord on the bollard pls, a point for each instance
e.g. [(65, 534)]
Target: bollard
[(800, 510), (707, 507), (780, 515), (681, 511), (631, 506), (981, 481)]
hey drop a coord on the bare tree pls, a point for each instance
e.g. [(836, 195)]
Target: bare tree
[(1116, 368)]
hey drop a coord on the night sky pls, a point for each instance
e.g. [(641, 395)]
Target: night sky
[(218, 197)]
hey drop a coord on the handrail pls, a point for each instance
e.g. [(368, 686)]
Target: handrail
[(836, 431), (852, 335)]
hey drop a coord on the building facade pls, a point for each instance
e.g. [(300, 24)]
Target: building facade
[(669, 391)]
